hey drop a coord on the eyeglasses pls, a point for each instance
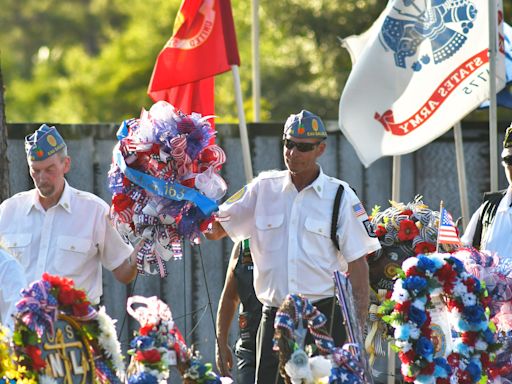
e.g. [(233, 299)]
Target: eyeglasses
[(301, 147), (507, 160)]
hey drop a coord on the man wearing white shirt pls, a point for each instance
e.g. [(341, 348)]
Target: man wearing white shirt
[(490, 227), (58, 229), (287, 215), (12, 281)]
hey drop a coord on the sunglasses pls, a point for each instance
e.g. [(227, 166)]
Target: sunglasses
[(301, 147), (507, 160)]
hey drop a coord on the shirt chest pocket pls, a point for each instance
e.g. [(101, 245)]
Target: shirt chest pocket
[(319, 228), (270, 232), (72, 254), (19, 246)]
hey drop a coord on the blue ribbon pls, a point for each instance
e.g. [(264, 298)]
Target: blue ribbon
[(173, 191)]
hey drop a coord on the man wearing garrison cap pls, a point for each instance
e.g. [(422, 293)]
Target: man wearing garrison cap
[(490, 227), (288, 215), (58, 229)]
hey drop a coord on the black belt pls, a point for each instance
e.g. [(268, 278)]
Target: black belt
[(269, 310)]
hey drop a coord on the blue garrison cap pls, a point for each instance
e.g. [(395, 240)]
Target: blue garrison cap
[(43, 143), (305, 125), (507, 143)]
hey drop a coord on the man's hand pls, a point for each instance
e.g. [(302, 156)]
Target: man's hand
[(224, 359)]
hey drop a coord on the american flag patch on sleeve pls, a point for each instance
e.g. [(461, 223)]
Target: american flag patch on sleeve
[(358, 209)]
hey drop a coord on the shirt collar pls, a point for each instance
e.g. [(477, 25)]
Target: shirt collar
[(505, 203), (64, 202), (317, 184)]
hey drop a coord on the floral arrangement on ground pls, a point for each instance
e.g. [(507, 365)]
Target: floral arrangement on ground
[(38, 310), (466, 299), (297, 364)]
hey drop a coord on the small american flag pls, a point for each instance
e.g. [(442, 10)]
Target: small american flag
[(447, 233), (358, 209)]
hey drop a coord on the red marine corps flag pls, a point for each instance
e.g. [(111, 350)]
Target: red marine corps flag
[(203, 45), (420, 68)]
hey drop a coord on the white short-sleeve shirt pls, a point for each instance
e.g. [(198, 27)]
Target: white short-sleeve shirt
[(12, 281), (72, 239), (290, 234), (498, 237)]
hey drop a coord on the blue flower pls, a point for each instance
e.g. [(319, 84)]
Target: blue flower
[(416, 284), (424, 347), (456, 264), (473, 313), (475, 371), (142, 342), (142, 378), (417, 315), (488, 336), (426, 264), (442, 369)]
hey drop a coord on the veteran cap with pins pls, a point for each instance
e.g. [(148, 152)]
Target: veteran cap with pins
[(43, 143), (507, 143), (304, 125)]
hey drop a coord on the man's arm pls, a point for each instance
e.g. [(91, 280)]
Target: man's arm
[(228, 304), (359, 278), (127, 271)]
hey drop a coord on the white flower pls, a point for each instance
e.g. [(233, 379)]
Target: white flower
[(481, 345), (404, 345), (459, 289), (409, 263), (297, 368), (419, 304), (469, 299), (405, 369), (414, 332), (108, 341), (400, 294), (320, 367)]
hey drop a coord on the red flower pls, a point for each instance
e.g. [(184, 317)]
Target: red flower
[(403, 307), (408, 230), (81, 309), (144, 331), (407, 357), (34, 354), (409, 379), (469, 338), (453, 304), (406, 212), (58, 282), (380, 231), (149, 356), (484, 359), (120, 202), (414, 271), (442, 380), (470, 284), (429, 369), (453, 359), (446, 274), (424, 247)]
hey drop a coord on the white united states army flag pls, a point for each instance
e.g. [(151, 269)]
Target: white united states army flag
[(421, 68)]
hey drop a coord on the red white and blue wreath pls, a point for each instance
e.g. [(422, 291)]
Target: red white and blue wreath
[(165, 182), (466, 300)]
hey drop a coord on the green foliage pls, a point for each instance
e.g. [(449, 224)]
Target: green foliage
[(91, 60)]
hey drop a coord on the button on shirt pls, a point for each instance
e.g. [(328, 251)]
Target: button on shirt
[(12, 281), (71, 239), (290, 234), (498, 237)]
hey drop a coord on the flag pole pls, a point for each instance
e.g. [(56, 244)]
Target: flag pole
[(461, 173), (439, 225), (244, 137), (256, 85), (493, 134), (395, 196)]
